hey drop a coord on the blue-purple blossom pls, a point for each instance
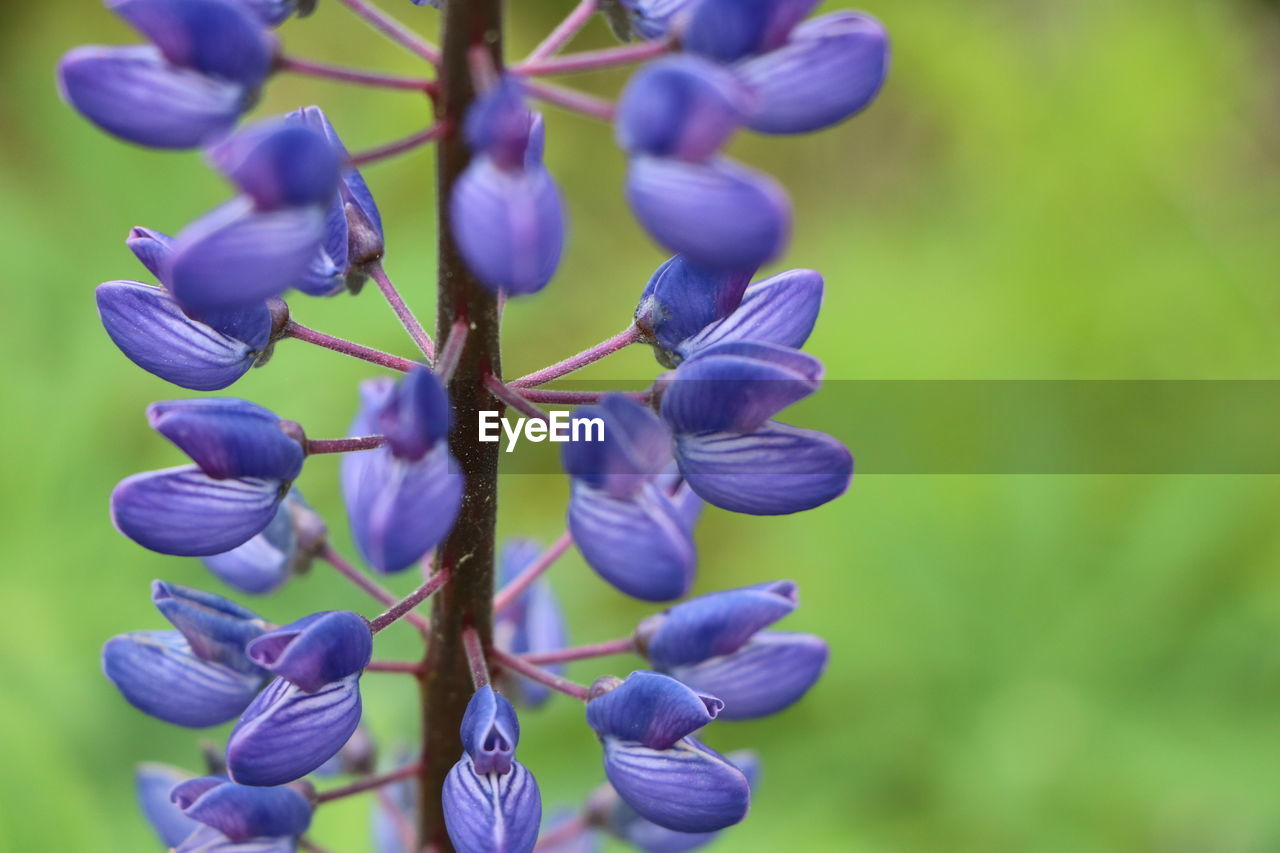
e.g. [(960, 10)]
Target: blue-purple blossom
[(152, 784), (645, 724), (718, 213), (531, 624), (217, 629), (188, 88), (491, 801), (315, 650), (241, 813), (719, 403), (284, 548), (506, 212), (832, 68), (401, 506), (682, 107), (683, 298), (716, 644), (779, 310), (728, 30), (288, 732), (623, 520)]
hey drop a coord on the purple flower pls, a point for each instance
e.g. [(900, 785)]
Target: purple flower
[(506, 212), (353, 241), (216, 629), (832, 68), (152, 784), (669, 778), (491, 802), (682, 299), (624, 522), (159, 674), (717, 214), (245, 463), (288, 732), (728, 30), (401, 507), (719, 404), (241, 813), (202, 71), (279, 164), (284, 548), (316, 650), (533, 623), (682, 107), (780, 310), (714, 644)]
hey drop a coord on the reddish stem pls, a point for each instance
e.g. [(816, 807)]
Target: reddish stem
[(475, 658), (394, 30), (369, 784), (410, 667), (595, 60), (451, 350), (403, 607), (373, 356), (566, 831), (514, 400), (368, 584), (621, 646), (404, 829), (575, 398), (531, 573), (407, 319), (571, 99), (344, 445), (538, 674), (565, 31), (357, 76), (576, 362), (399, 146)]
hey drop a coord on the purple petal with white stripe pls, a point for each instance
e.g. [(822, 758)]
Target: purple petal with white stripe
[(491, 813), (715, 624), (159, 675), (776, 470), (490, 732), (243, 812), (509, 225), (780, 310), (651, 708), (216, 628), (767, 674), (682, 107), (718, 214), (235, 256), (152, 784), (687, 787), (220, 38), (134, 94), (641, 545), (153, 332), (316, 650), (833, 68), (286, 733), (185, 512), (228, 437)]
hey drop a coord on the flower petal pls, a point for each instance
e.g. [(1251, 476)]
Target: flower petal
[(640, 544), (184, 512), (152, 784), (683, 298), (718, 214), (491, 813), (727, 30), (316, 650), (652, 709), (778, 469), (490, 732), (499, 124), (833, 68), (284, 547), (509, 225), (779, 310), (688, 787), (771, 672), (243, 812), (286, 733), (158, 674), (206, 839), (220, 38), (228, 437), (416, 415), (682, 107), (280, 163), (715, 624), (216, 628), (133, 94), (153, 332), (737, 387), (152, 248), (236, 256), (622, 455)]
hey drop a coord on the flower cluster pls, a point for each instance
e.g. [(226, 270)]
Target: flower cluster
[(302, 220)]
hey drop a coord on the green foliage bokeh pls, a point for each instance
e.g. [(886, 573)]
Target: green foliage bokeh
[(1024, 663)]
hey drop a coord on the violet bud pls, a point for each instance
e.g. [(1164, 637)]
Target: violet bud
[(491, 801), (279, 164), (215, 628), (832, 68), (669, 778), (682, 107), (219, 38), (727, 30), (287, 732), (717, 214), (284, 548), (500, 124), (229, 438), (152, 330), (152, 248), (416, 415), (241, 812), (715, 624), (682, 299), (157, 672), (152, 784), (316, 650), (780, 310)]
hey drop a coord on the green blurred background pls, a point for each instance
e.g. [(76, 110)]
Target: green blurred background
[(1046, 190)]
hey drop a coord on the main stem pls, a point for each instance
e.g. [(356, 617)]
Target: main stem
[(466, 601)]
